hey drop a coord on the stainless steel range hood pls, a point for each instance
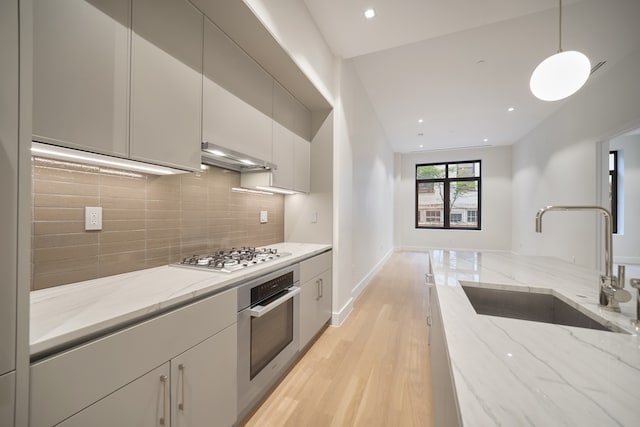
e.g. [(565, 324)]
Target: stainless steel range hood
[(215, 155)]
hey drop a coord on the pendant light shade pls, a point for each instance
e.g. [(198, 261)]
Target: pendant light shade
[(560, 75)]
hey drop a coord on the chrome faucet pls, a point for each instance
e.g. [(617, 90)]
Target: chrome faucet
[(611, 292), (635, 283)]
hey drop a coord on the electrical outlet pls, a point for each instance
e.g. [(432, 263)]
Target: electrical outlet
[(92, 218), (264, 217)]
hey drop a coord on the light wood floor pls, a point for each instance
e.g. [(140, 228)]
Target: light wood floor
[(374, 370)]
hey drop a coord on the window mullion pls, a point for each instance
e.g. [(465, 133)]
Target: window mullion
[(446, 208)]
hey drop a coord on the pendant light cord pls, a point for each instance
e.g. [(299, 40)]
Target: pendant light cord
[(560, 29)]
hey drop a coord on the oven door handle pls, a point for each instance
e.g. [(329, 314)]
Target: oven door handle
[(260, 310)]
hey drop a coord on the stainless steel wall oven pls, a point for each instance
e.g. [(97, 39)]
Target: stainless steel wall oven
[(268, 327)]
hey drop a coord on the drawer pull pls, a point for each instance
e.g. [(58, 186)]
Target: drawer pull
[(163, 380), (181, 404)]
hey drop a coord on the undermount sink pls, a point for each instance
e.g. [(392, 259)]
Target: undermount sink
[(532, 306)]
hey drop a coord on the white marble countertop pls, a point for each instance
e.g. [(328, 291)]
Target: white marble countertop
[(68, 314), (513, 372)]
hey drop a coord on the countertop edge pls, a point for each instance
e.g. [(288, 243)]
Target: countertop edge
[(197, 285)]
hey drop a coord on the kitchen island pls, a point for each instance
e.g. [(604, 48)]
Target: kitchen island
[(67, 315), (500, 371)]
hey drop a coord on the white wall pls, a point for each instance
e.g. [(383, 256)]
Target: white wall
[(290, 23), (496, 202), (558, 163), (300, 208), (626, 243), (362, 166), (366, 166)]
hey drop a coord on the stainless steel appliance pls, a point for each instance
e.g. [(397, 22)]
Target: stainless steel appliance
[(228, 261), (268, 323)]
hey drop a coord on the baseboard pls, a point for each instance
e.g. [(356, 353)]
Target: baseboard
[(626, 260), (338, 318), (357, 290)]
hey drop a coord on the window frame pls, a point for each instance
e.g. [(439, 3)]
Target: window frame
[(613, 175), (446, 182)]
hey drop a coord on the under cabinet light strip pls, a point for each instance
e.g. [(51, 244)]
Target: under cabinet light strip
[(60, 153), (277, 190), (248, 190)]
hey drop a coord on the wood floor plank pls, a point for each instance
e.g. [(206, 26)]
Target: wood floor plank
[(374, 370)]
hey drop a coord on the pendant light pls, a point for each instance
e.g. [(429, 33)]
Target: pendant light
[(560, 75)]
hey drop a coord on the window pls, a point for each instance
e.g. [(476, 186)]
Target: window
[(448, 195), (613, 188)]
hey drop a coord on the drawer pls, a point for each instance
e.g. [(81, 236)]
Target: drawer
[(311, 267), (65, 383)]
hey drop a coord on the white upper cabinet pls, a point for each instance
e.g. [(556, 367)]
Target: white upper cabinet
[(292, 155), (290, 113), (236, 98), (283, 145), (81, 74), (301, 165), (166, 83), (291, 150)]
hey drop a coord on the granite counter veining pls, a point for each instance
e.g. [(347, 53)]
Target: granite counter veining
[(513, 372), (68, 314)]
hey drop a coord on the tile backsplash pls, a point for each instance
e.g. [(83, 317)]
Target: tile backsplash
[(148, 220)]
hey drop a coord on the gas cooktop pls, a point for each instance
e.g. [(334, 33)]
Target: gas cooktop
[(228, 261)]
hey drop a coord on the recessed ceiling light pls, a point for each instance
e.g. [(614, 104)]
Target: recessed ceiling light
[(510, 109), (369, 13), (420, 120), (421, 146), (486, 140)]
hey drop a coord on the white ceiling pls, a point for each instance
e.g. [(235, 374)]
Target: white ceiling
[(459, 64)]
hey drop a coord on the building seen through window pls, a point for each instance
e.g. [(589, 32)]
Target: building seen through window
[(448, 195)]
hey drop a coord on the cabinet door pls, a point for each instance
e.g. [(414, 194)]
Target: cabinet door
[(301, 165), (227, 65), (229, 121), (166, 83), (81, 74), (9, 103), (204, 382), (325, 300), (315, 306), (283, 140), (7, 398), (143, 402)]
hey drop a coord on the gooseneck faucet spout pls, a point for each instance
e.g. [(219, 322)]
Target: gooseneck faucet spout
[(611, 291)]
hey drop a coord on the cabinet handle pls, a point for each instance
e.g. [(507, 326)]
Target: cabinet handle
[(181, 404), (163, 381), (321, 288)]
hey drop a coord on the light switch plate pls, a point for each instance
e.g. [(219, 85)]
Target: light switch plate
[(314, 217), (92, 218), (264, 217)]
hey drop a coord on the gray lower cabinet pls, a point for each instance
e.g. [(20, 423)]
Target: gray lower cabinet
[(193, 389), (445, 407), (143, 403), (315, 296), (203, 382), (134, 376), (166, 83), (7, 398)]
